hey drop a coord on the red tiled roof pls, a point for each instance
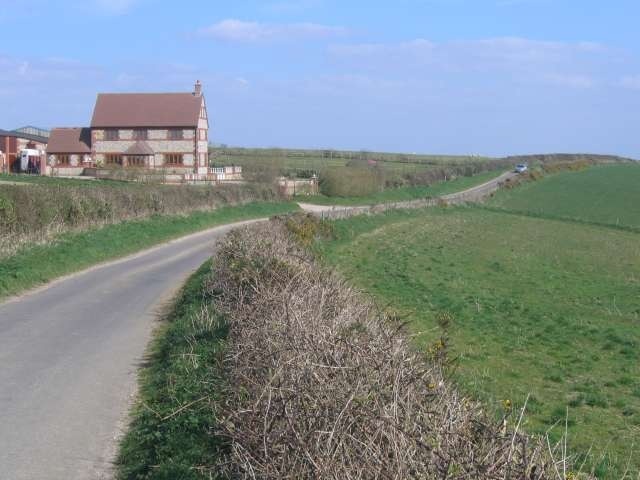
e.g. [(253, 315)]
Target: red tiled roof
[(69, 140), (118, 110)]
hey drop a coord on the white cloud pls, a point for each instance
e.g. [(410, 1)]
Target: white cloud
[(232, 30), (571, 65)]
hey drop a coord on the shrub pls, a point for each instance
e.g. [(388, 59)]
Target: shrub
[(351, 181), (35, 212), (323, 384)]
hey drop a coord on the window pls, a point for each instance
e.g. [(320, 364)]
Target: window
[(136, 160), (112, 135), (173, 158), (62, 159), (176, 134), (113, 159), (140, 134), (203, 134)]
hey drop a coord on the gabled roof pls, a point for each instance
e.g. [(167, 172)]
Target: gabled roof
[(139, 148), (69, 140), (121, 110)]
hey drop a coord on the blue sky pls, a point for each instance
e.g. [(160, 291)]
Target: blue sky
[(491, 77)]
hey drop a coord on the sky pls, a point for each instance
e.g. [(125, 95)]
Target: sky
[(485, 77)]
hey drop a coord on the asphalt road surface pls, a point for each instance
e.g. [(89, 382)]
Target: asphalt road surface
[(69, 355)]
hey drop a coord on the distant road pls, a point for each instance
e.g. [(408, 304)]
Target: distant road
[(471, 195), (69, 355)]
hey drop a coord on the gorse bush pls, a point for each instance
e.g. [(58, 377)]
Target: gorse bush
[(306, 228), (32, 213), (323, 384)]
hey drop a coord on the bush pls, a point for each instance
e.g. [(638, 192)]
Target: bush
[(36, 212), (323, 384), (351, 181)]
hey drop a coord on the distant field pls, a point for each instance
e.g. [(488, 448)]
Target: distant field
[(604, 195), (541, 307), (406, 193), (291, 160)]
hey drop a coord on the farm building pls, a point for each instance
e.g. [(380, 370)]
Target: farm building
[(71, 149), (13, 143), (168, 131)]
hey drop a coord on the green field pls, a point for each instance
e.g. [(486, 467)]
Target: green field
[(316, 159), (405, 193), (261, 163), (542, 307), (608, 195)]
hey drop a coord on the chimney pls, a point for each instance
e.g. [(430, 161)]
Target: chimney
[(197, 90)]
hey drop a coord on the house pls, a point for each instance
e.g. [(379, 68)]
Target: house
[(168, 131), (12, 143), (69, 151)]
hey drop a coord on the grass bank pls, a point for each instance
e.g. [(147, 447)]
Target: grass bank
[(540, 307), (72, 252), (606, 195), (406, 193), (170, 435)]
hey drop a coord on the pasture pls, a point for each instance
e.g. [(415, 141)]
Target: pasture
[(608, 195), (541, 307)]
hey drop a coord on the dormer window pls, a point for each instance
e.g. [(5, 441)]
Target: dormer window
[(140, 134)]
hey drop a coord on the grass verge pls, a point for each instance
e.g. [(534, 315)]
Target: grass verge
[(72, 252), (405, 193), (542, 307), (170, 431)]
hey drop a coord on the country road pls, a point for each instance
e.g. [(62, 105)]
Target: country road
[(470, 195), (69, 355)]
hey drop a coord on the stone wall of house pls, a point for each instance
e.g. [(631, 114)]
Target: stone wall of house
[(75, 160), (157, 140), (202, 146), (158, 146)]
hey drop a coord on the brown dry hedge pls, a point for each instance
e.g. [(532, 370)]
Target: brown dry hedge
[(322, 384)]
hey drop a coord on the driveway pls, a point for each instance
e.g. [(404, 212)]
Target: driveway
[(69, 355)]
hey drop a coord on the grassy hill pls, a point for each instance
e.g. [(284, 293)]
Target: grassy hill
[(608, 195), (541, 307)]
